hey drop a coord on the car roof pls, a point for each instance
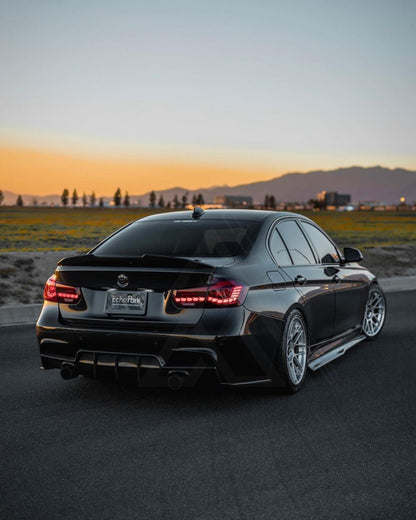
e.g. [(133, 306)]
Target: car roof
[(224, 214)]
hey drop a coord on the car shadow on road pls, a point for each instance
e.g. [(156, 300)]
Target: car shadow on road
[(93, 392)]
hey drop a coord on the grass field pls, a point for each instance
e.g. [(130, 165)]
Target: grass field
[(32, 240), (47, 229), (51, 229)]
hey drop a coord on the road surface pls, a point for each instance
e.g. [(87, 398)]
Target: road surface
[(344, 447)]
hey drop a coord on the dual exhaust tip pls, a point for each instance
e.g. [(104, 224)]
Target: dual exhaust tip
[(68, 371), (176, 378)]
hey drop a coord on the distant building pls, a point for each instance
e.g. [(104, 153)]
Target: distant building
[(369, 205), (234, 201), (333, 198)]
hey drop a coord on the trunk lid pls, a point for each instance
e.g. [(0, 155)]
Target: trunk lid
[(144, 285)]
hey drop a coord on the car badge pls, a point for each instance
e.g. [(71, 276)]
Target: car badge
[(122, 280)]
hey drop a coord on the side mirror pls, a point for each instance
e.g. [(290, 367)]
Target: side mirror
[(352, 255)]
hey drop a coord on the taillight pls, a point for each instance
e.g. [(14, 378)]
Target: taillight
[(190, 297), (49, 292), (58, 292), (225, 293)]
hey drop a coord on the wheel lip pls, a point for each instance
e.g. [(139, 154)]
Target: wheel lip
[(295, 376), (368, 330)]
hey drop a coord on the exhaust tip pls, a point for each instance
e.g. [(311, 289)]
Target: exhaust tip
[(68, 371), (176, 379)]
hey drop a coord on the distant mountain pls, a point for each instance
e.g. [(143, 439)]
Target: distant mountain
[(363, 184), (29, 200)]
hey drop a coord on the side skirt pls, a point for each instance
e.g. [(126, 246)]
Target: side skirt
[(247, 383), (335, 353)]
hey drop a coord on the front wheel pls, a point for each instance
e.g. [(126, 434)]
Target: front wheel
[(292, 352), (375, 312)]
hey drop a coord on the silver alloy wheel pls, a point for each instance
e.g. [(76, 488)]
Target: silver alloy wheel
[(296, 350), (375, 312)]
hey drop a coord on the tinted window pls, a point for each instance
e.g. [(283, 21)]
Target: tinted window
[(189, 238), (296, 243), (327, 252), (279, 250)]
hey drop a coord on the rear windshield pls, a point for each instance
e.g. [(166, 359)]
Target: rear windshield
[(188, 238)]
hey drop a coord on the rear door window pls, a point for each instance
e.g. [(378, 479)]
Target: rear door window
[(278, 249), (296, 243)]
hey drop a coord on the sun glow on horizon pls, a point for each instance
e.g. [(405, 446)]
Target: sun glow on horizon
[(29, 170), (41, 172)]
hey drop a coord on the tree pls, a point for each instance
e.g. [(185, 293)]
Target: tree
[(84, 200), (194, 200), (200, 200), (101, 203), (93, 198), (266, 202), (75, 198), (152, 199), (65, 198), (117, 197), (126, 200), (176, 203), (161, 202), (317, 204), (19, 201), (1, 197), (184, 200), (272, 202)]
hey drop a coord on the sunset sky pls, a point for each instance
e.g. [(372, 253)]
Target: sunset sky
[(154, 94)]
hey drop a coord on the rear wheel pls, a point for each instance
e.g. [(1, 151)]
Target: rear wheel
[(375, 312), (292, 352)]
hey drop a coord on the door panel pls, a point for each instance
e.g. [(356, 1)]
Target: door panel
[(351, 285), (318, 299), (309, 278), (350, 297)]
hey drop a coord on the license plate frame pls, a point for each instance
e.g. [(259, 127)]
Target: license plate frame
[(126, 302)]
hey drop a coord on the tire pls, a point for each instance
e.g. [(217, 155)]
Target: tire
[(291, 359), (374, 312)]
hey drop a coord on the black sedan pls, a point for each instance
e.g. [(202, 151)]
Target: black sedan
[(250, 297)]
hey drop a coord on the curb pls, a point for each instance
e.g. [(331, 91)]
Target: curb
[(28, 314), (20, 314), (398, 283)]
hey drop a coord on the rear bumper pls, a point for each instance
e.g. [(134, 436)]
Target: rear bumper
[(234, 359), (142, 369)]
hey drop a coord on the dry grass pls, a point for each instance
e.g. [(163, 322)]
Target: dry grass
[(32, 240), (48, 229), (365, 229), (52, 229)]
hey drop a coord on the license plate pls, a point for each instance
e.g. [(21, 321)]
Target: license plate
[(126, 302)]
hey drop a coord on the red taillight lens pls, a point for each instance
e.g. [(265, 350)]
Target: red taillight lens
[(58, 292), (49, 292), (191, 297), (67, 293), (223, 293), (226, 293)]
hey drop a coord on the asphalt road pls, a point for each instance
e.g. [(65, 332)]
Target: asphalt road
[(344, 447)]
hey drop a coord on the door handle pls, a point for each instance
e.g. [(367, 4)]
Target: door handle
[(336, 279), (301, 280)]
